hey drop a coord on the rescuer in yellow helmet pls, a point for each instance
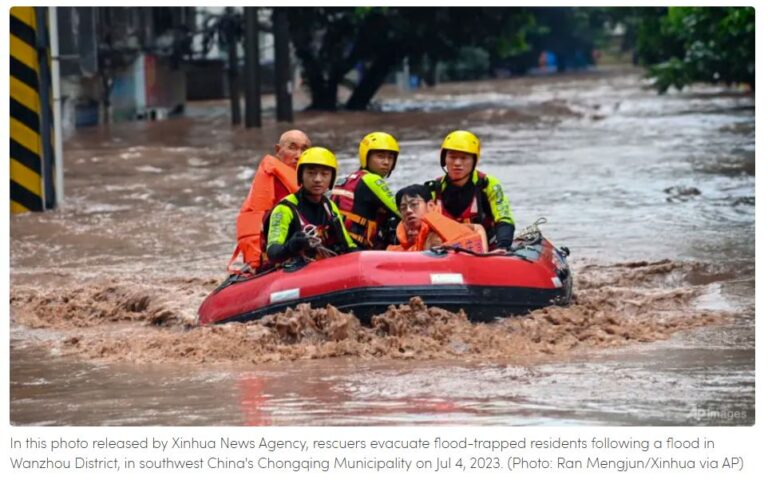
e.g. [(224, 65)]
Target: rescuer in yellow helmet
[(306, 222), (470, 196), (364, 197)]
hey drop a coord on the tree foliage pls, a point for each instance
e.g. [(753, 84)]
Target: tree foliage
[(679, 45), (331, 42), (683, 45), (719, 46)]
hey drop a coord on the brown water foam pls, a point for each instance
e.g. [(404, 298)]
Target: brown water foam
[(142, 321)]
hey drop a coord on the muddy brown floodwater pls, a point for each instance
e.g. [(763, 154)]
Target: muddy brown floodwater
[(654, 195)]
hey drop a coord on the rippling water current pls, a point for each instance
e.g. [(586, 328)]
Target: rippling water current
[(654, 195)]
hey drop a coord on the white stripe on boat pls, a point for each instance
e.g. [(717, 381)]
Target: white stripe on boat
[(447, 278), (282, 296)]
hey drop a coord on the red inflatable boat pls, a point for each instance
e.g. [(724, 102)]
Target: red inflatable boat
[(485, 286)]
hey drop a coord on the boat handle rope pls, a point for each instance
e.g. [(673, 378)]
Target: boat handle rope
[(528, 236), (532, 233), (442, 249)]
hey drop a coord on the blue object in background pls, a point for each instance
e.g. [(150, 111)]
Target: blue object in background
[(86, 114), (551, 61)]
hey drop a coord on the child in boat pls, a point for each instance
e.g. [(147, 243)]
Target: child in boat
[(467, 195), (364, 198), (306, 222), (423, 227)]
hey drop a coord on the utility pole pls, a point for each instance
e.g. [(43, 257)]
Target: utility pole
[(58, 151), (229, 28), (252, 78), (283, 87), (46, 123)]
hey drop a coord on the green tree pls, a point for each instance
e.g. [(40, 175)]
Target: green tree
[(330, 42), (718, 45), (683, 45)]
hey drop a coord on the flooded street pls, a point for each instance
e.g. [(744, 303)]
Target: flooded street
[(654, 196)]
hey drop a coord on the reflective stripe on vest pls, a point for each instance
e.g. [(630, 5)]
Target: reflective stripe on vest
[(343, 195)]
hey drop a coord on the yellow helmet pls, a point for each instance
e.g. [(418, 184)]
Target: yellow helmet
[(317, 156), (378, 141), (460, 141)]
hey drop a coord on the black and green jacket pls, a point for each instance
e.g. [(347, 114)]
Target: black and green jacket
[(293, 213)]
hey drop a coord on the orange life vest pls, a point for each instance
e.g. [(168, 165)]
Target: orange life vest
[(451, 233), (261, 198)]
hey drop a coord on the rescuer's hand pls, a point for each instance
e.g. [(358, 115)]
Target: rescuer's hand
[(297, 243)]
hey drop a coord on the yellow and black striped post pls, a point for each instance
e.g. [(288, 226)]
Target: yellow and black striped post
[(32, 180)]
